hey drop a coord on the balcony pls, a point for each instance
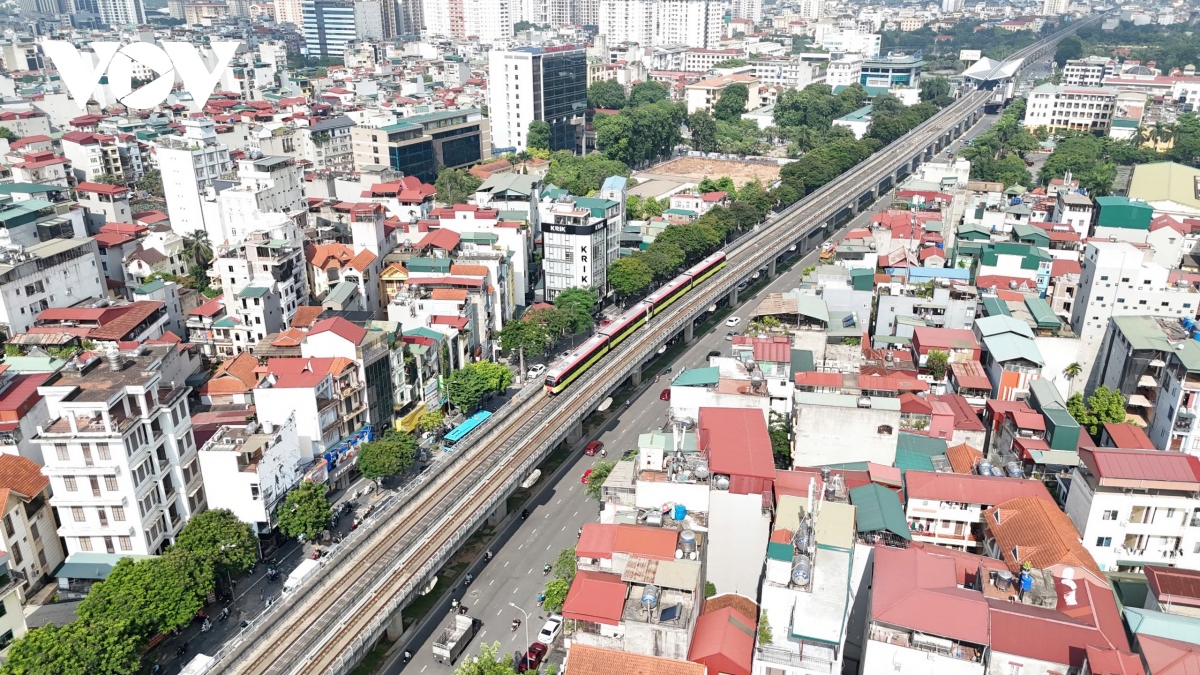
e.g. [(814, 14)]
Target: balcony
[(805, 657), (1184, 422)]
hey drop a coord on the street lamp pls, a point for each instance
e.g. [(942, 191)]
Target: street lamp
[(527, 642)]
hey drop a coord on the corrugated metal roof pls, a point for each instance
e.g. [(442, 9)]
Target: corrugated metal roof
[(878, 509), (698, 377), (1142, 464), (1042, 313)]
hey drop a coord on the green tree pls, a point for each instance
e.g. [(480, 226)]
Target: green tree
[(703, 128), (937, 361), (582, 175), (456, 186), (614, 137), (1186, 148), (387, 456), (722, 184), (1105, 405), (607, 94), (78, 648), (934, 87), (732, 102), (578, 304), (430, 421), (596, 480), (710, 589), (468, 385), (492, 660), (108, 179), (629, 276), (663, 258), (1069, 48), (694, 240), (7, 134), (564, 565), (653, 207), (217, 536), (644, 93), (305, 511), (151, 182), (730, 63), (152, 595), (529, 337), (538, 137), (556, 595), (764, 630), (1073, 370), (781, 443)]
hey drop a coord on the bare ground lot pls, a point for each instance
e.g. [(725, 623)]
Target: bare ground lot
[(695, 169)]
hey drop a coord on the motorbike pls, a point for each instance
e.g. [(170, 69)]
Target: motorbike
[(524, 514), (223, 615), (516, 623), (462, 609), (407, 656), (468, 579), (541, 597), (487, 556), (181, 649), (206, 626), (545, 569)]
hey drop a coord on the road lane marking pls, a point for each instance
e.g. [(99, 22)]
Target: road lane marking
[(491, 582), (549, 545), (424, 667), (506, 563), (500, 611), (517, 589)]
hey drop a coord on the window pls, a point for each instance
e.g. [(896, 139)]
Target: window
[(63, 454), (77, 513), (103, 451), (1103, 542), (254, 492), (1014, 669), (1170, 513), (16, 551), (1109, 515), (70, 483), (126, 545), (8, 525), (110, 483), (85, 544), (884, 430), (118, 513)]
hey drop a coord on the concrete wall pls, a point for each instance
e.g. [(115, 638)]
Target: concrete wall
[(836, 435)]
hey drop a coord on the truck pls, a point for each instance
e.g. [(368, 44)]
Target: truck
[(302, 573), (454, 639)]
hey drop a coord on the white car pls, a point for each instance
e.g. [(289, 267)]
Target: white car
[(733, 321), (536, 370), (550, 630)]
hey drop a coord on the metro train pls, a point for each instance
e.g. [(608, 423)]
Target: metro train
[(608, 337)]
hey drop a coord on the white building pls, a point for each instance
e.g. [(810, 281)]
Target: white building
[(269, 185), (838, 428), (1058, 106), (748, 9), (249, 470), (54, 273), (1116, 280), (28, 534), (120, 453), (1136, 507), (329, 25), (581, 237), (695, 23), (946, 509), (851, 42), (845, 71), (263, 279), (537, 83), (1054, 7), (490, 20), (811, 9), (189, 164), (121, 13), (1088, 72)]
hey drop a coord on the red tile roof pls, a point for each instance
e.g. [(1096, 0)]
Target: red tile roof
[(444, 239), (1039, 533), (302, 373), (776, 349), (595, 597), (965, 418), (305, 316), (600, 541), (341, 327), (815, 379), (22, 476), (917, 589), (737, 442), (1128, 437), (970, 375), (588, 660), (724, 641), (963, 458), (970, 489), (1141, 465), (102, 188)]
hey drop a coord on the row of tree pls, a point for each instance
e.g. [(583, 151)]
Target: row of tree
[(998, 154), (538, 330), (139, 599)]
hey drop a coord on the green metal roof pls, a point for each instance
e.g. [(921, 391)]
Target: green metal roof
[(341, 292), (1031, 255), (779, 551), (812, 307), (226, 322), (1163, 625), (1000, 324), (1062, 431), (150, 287), (908, 460), (253, 292), (993, 306), (1054, 457), (93, 566), (802, 361), (1031, 234), (698, 377), (1124, 213), (479, 237), (1144, 333), (680, 212), (427, 265), (863, 114), (1010, 347), (30, 188), (1042, 312), (878, 508), (422, 331), (925, 445)]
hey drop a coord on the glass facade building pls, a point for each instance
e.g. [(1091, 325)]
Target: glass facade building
[(420, 146), (562, 95)]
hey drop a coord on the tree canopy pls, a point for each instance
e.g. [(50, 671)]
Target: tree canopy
[(456, 186), (538, 137), (596, 480), (467, 386), (647, 92), (607, 94), (629, 276), (220, 538), (1105, 405), (639, 133), (305, 511), (582, 175), (387, 456), (703, 129), (732, 102), (152, 595)]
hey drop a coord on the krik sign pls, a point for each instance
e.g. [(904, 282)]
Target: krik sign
[(82, 72)]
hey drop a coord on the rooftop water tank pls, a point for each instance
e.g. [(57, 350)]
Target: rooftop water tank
[(1014, 470), (679, 512), (654, 519), (1004, 580), (801, 570), (722, 483), (650, 595), (701, 472), (985, 467), (687, 541), (802, 537)]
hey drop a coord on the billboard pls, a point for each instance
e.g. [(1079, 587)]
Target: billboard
[(970, 55)]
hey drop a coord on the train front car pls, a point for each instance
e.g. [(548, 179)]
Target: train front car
[(706, 268), (579, 360)]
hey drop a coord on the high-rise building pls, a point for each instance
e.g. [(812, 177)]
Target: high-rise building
[(581, 237), (120, 453), (328, 26), (289, 11), (442, 19), (410, 18), (695, 23), (748, 9), (368, 20), (811, 9), (189, 164), (537, 83), (587, 12), (950, 6), (121, 12), (488, 20), (1054, 7)]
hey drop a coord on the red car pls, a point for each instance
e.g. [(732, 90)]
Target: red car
[(532, 659), (586, 475), (664, 395), (593, 447)]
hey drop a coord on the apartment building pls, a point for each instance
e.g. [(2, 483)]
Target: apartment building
[(326, 144), (93, 156), (845, 71), (1060, 106), (120, 453), (1136, 508), (329, 25), (946, 509), (25, 122), (703, 95), (695, 23), (842, 42), (12, 616), (249, 469), (267, 184), (104, 203), (700, 60), (368, 350), (54, 273), (1115, 280), (43, 167), (28, 534), (189, 164), (324, 395), (1155, 364), (1089, 72), (537, 83), (264, 280)]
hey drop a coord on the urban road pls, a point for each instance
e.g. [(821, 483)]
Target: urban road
[(328, 625)]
